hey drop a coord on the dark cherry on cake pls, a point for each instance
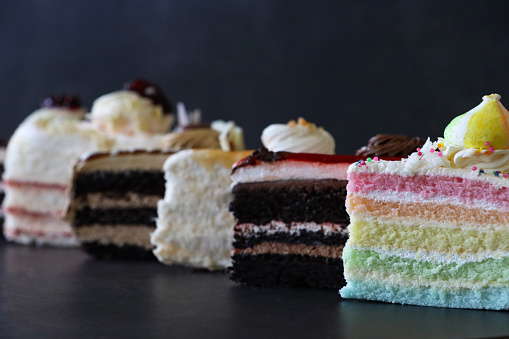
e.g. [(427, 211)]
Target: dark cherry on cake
[(150, 91), (69, 101), (390, 146)]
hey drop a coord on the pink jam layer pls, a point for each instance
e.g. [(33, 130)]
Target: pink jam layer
[(16, 183), (24, 212), (425, 187)]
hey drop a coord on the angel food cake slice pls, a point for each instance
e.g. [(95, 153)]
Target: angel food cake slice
[(433, 229), (113, 202), (291, 219), (194, 226)]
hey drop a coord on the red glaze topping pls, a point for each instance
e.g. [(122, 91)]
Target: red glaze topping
[(68, 101), (264, 155), (150, 91)]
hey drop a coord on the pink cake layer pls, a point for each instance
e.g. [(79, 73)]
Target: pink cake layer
[(425, 187)]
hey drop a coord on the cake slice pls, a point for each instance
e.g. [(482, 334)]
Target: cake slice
[(194, 226), (113, 202), (433, 229), (291, 219)]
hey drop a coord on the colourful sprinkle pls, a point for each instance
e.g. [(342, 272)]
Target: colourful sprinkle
[(491, 149), (440, 145), (496, 173), (474, 168), (418, 149), (419, 153), (506, 175), (432, 150), (481, 171), (487, 143), (375, 158), (440, 154)]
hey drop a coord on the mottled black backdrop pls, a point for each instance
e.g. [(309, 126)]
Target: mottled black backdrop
[(356, 67)]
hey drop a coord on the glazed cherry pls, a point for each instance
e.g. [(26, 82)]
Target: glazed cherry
[(150, 91), (68, 101)]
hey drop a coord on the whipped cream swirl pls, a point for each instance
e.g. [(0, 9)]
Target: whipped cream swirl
[(298, 137), (452, 156), (127, 112)]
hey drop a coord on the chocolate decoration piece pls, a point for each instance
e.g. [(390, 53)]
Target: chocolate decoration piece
[(68, 101), (390, 146), (151, 91)]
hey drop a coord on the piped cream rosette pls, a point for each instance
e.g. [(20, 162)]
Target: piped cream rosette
[(298, 137)]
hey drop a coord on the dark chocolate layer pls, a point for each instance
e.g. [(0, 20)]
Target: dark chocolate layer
[(145, 182), (114, 216), (126, 252), (287, 270), (304, 237), (290, 200)]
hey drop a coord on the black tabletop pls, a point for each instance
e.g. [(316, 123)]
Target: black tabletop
[(62, 293)]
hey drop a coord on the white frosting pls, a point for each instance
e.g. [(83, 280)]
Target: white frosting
[(129, 113), (452, 158), (299, 137), (47, 144)]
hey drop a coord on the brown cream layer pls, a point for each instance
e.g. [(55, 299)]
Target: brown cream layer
[(104, 200), (296, 249)]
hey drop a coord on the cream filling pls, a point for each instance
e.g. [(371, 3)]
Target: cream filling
[(292, 228), (287, 170), (294, 249), (119, 235), (127, 200), (434, 256)]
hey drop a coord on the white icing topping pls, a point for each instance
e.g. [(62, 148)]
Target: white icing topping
[(301, 137), (129, 113)]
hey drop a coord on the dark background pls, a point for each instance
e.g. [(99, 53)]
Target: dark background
[(356, 67)]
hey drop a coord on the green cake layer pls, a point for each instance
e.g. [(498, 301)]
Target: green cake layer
[(483, 272)]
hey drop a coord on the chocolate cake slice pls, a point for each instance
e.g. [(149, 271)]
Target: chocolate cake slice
[(113, 203), (291, 219)]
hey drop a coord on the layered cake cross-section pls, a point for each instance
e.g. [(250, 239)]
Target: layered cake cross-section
[(291, 219), (433, 229), (113, 202)]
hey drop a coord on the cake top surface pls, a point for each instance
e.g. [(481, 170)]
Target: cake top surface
[(263, 155), (207, 158), (475, 146), (122, 160), (140, 108), (300, 136)]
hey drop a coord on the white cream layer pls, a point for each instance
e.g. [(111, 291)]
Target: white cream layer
[(287, 170)]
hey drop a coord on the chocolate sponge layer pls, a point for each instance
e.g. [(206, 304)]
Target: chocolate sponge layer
[(116, 216), (145, 182), (287, 270), (290, 200), (111, 251)]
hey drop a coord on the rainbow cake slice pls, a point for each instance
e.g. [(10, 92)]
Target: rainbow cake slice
[(433, 229), (291, 219)]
